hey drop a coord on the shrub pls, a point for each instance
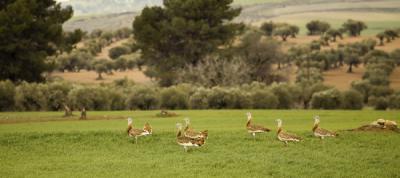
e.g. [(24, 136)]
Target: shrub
[(7, 94), (118, 51), (199, 99), (284, 96), (117, 100), (379, 103), (394, 101), (264, 99), (363, 87), (58, 95), (328, 99), (381, 91), (31, 97), (173, 98), (220, 98), (144, 98), (241, 99), (352, 100), (92, 98)]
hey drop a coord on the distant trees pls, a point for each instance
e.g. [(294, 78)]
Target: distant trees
[(282, 30), (354, 27), (317, 27), (170, 39), (388, 34), (118, 51), (30, 30)]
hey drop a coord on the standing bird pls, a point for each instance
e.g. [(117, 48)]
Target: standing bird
[(132, 132), (286, 137), (186, 141), (320, 132), (253, 129), (189, 132)]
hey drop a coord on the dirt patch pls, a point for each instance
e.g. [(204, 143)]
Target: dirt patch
[(89, 77)]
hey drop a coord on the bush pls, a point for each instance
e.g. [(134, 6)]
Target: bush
[(7, 94), (199, 99), (173, 98), (220, 98), (328, 99), (118, 51), (241, 99), (381, 91), (363, 87), (31, 97), (58, 95), (117, 100), (264, 99), (394, 101), (284, 96), (143, 98), (379, 103), (352, 100), (92, 98)]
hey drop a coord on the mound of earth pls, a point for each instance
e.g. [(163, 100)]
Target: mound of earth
[(378, 128)]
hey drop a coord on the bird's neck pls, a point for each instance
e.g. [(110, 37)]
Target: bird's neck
[(279, 130), (315, 127), (129, 128), (179, 133), (187, 127), (248, 122)]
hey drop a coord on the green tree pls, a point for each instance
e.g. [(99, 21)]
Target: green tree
[(317, 27), (268, 28), (118, 51), (283, 32), (354, 27), (381, 36), (182, 32), (334, 33), (30, 30)]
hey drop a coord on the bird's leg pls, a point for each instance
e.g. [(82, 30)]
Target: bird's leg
[(286, 143), (135, 140), (322, 137), (185, 148), (254, 136)]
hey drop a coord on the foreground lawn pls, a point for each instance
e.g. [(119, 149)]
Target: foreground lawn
[(63, 147)]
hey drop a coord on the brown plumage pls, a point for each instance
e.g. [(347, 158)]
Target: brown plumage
[(186, 142), (189, 132), (320, 132), (284, 136), (147, 127), (252, 128), (133, 132)]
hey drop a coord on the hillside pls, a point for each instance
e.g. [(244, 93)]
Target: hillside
[(378, 14)]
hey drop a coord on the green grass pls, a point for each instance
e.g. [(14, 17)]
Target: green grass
[(100, 148)]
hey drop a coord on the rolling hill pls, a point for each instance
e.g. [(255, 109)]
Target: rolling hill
[(378, 14)]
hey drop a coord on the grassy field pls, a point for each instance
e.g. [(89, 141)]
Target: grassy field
[(99, 147)]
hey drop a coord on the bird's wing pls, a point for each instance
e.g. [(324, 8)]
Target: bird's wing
[(322, 131), (257, 128), (289, 136)]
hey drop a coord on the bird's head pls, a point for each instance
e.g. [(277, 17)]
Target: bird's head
[(179, 126), (187, 120), (316, 119), (248, 115), (130, 120), (279, 121)]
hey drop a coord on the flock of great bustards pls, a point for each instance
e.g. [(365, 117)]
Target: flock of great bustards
[(190, 138)]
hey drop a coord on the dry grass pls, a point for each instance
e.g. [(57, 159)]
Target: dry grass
[(341, 79), (89, 77), (395, 79)]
